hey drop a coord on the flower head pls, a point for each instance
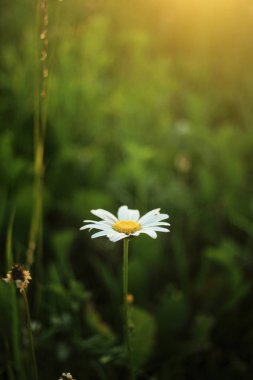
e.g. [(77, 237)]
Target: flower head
[(66, 376), (130, 298), (19, 275), (127, 223)]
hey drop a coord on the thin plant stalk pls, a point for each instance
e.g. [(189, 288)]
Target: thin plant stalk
[(29, 328), (35, 242), (15, 323), (9, 258), (40, 119), (128, 349), (125, 293), (38, 146)]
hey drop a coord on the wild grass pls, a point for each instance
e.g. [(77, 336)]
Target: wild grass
[(149, 105)]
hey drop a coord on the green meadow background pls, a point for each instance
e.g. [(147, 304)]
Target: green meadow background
[(150, 104)]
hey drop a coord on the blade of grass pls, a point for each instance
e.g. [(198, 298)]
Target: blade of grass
[(14, 315), (40, 91), (9, 256)]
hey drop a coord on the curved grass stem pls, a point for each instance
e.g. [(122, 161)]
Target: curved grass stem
[(29, 328)]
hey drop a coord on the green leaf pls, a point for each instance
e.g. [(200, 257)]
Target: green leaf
[(142, 336), (172, 314), (10, 328)]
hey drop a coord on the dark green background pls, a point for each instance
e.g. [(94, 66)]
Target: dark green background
[(150, 104)]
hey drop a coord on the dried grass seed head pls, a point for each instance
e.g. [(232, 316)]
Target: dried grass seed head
[(66, 376), (20, 276)]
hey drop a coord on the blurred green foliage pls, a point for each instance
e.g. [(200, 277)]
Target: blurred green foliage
[(150, 105)]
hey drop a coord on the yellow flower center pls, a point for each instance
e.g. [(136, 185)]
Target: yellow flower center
[(126, 226)]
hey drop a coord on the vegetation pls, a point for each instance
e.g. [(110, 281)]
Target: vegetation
[(149, 104)]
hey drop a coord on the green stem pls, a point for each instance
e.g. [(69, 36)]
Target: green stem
[(125, 293), (15, 335), (125, 309), (30, 334)]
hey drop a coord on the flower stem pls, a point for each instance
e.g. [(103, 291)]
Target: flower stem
[(125, 292), (30, 334), (128, 350)]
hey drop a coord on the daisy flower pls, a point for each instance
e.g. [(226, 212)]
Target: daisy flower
[(127, 223)]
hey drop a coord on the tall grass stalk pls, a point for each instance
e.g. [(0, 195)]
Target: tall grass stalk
[(38, 147), (15, 323), (29, 328), (40, 92), (9, 256)]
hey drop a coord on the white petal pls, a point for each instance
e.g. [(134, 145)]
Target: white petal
[(123, 236), (106, 215), (96, 226), (98, 234), (148, 215), (123, 213), (154, 219), (116, 236), (98, 221), (160, 229), (104, 223), (137, 233), (160, 217), (133, 215), (88, 226), (153, 224), (150, 233)]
